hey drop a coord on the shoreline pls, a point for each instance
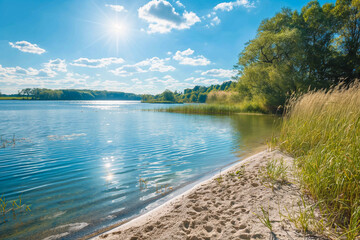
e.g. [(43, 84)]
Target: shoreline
[(182, 192), (196, 213)]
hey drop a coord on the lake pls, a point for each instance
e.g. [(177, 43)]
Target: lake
[(84, 165)]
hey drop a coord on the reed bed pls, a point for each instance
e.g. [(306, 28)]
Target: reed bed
[(322, 130), (224, 109)]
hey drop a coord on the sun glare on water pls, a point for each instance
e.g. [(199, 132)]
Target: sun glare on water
[(109, 177)]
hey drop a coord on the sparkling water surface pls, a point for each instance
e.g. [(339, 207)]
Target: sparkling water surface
[(84, 165)]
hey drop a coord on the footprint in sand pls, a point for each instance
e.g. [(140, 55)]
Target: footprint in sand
[(149, 228), (186, 224), (242, 226), (208, 228), (244, 236)]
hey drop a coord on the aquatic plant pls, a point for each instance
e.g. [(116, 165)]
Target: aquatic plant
[(163, 189), (11, 142), (142, 184), (5, 142), (214, 108), (12, 206)]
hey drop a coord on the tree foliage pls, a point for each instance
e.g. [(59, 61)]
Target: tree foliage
[(198, 94), (296, 51)]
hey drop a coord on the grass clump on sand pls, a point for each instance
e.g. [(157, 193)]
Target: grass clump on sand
[(322, 130), (275, 172)]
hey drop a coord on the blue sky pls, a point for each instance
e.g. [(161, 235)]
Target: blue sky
[(138, 46)]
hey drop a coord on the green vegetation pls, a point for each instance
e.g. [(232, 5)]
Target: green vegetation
[(293, 52), (12, 206), (212, 109), (198, 94), (303, 217), (322, 130), (11, 98), (297, 51), (70, 94), (265, 218), (276, 171)]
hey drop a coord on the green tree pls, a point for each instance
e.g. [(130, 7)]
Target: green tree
[(296, 51), (347, 12), (168, 96)]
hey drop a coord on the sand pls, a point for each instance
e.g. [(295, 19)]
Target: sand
[(222, 208)]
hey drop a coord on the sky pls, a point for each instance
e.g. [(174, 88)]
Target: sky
[(137, 46)]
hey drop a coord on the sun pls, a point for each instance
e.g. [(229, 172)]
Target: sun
[(117, 29)]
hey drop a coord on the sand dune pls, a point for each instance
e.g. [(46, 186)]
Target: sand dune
[(223, 207)]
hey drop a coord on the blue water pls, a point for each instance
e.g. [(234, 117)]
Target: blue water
[(79, 164)]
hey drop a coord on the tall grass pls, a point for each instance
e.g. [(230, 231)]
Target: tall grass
[(223, 97), (322, 129), (214, 108)]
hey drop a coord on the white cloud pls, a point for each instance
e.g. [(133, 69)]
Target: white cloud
[(157, 65), (209, 15), (154, 64), (179, 4), (25, 46), (228, 6), (136, 81), (185, 59), (222, 73), (215, 21), (127, 70), (13, 72), (190, 79), (96, 63), (166, 82), (58, 65), (162, 17), (206, 81), (117, 8)]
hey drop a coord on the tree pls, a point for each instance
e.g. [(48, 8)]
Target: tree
[(168, 96), (347, 13), (202, 97), (296, 51)]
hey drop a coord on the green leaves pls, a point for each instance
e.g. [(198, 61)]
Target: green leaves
[(294, 52)]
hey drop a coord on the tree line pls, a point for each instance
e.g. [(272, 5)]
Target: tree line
[(74, 94), (198, 94)]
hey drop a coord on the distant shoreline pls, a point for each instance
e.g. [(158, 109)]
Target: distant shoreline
[(60, 100)]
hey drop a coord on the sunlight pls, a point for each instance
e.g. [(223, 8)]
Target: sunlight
[(109, 177), (117, 28)]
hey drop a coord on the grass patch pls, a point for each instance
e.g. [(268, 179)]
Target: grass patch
[(264, 218), (322, 130), (225, 109), (14, 98), (276, 171), (162, 102)]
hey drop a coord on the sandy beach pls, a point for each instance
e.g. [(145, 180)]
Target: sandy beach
[(226, 206)]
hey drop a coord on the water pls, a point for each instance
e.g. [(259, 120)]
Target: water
[(78, 163)]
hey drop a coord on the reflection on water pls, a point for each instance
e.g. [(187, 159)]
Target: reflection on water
[(90, 164)]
